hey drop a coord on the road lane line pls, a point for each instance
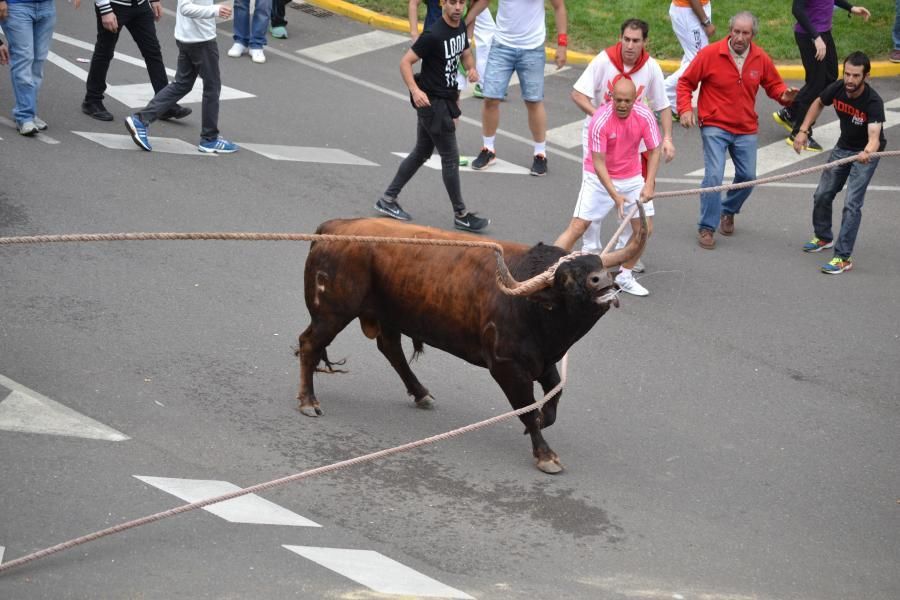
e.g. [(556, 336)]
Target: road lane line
[(378, 572), (243, 509), (28, 411)]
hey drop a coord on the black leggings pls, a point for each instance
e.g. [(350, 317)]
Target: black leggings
[(818, 74)]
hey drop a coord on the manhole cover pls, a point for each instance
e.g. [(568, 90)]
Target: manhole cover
[(312, 10)]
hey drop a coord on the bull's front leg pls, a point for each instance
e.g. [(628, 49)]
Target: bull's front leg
[(518, 386), (549, 380), (309, 354)]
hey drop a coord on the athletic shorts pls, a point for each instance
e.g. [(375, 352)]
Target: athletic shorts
[(594, 202)]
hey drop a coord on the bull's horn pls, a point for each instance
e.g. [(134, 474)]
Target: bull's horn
[(511, 287), (614, 258)]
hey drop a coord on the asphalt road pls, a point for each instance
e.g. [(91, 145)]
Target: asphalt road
[(732, 436)]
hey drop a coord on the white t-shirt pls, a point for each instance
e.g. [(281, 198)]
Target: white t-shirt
[(520, 24), (596, 82)]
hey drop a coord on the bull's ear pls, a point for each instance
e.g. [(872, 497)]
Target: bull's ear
[(548, 298)]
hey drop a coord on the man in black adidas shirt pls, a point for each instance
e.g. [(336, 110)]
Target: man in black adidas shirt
[(434, 93), (861, 112)]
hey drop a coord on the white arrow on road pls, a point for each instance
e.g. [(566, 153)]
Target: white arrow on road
[(28, 411)]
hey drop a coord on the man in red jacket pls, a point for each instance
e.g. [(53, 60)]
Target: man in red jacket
[(730, 71)]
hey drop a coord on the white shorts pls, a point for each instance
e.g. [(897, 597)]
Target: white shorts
[(594, 202)]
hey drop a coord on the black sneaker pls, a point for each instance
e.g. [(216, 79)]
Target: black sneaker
[(784, 118), (96, 110), (470, 222), (539, 165), (176, 112), (484, 159), (811, 144), (392, 209)]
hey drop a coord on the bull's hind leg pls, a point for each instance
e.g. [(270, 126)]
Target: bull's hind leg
[(389, 344), (311, 351)]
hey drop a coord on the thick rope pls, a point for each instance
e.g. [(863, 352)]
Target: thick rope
[(503, 277), (508, 285), (291, 478)]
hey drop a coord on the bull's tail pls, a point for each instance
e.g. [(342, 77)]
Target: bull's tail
[(329, 366), (418, 350)]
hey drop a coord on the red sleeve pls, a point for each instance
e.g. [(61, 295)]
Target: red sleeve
[(772, 81)]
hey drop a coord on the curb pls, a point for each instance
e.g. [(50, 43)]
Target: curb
[(364, 15)]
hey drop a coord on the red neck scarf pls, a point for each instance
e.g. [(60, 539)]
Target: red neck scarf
[(615, 57)]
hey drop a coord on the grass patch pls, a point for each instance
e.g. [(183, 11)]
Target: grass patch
[(594, 25)]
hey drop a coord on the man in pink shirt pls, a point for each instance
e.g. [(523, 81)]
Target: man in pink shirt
[(612, 168)]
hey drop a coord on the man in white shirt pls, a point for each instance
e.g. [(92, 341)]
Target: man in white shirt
[(627, 58), (518, 45)]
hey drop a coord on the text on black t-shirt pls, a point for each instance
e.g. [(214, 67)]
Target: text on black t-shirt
[(440, 48), (855, 115)]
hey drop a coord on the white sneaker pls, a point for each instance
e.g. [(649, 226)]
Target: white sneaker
[(237, 50), (27, 128), (631, 286), (638, 267), (257, 55), (40, 124)]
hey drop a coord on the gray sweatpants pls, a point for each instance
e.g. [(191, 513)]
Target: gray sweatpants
[(197, 58)]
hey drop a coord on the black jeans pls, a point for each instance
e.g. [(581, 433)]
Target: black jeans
[(194, 59), (138, 19), (278, 19), (818, 74), (431, 135)]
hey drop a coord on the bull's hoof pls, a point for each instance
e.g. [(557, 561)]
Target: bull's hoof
[(550, 466), (311, 411), (425, 402)]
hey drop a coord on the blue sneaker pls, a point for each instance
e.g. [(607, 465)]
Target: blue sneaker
[(218, 146), (138, 132), (817, 245), (837, 265)]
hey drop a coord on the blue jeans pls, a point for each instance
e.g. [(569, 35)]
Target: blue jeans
[(896, 34), (857, 176), (528, 64), (250, 30), (742, 149), (28, 29)]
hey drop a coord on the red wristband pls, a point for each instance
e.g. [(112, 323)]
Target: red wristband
[(562, 39)]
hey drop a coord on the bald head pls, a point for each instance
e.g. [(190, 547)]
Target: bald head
[(624, 94)]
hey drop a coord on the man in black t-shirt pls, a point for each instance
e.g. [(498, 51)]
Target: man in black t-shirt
[(861, 112), (434, 93)]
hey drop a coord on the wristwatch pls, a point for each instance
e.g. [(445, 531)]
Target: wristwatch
[(706, 22)]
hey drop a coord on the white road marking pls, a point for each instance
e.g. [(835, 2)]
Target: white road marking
[(135, 95), (43, 137), (308, 154), (28, 411), (2, 550), (567, 136), (353, 46), (378, 572), (244, 509), (160, 144), (501, 166)]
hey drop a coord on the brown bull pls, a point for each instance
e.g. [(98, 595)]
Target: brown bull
[(448, 298)]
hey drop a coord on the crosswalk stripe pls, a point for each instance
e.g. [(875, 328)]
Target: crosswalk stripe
[(378, 572), (501, 166), (135, 95), (353, 46), (40, 136), (308, 154), (243, 509), (28, 411), (160, 144), (2, 550), (568, 135)]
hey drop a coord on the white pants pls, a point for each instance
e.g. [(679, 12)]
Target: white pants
[(692, 37), (484, 35), (594, 203)]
